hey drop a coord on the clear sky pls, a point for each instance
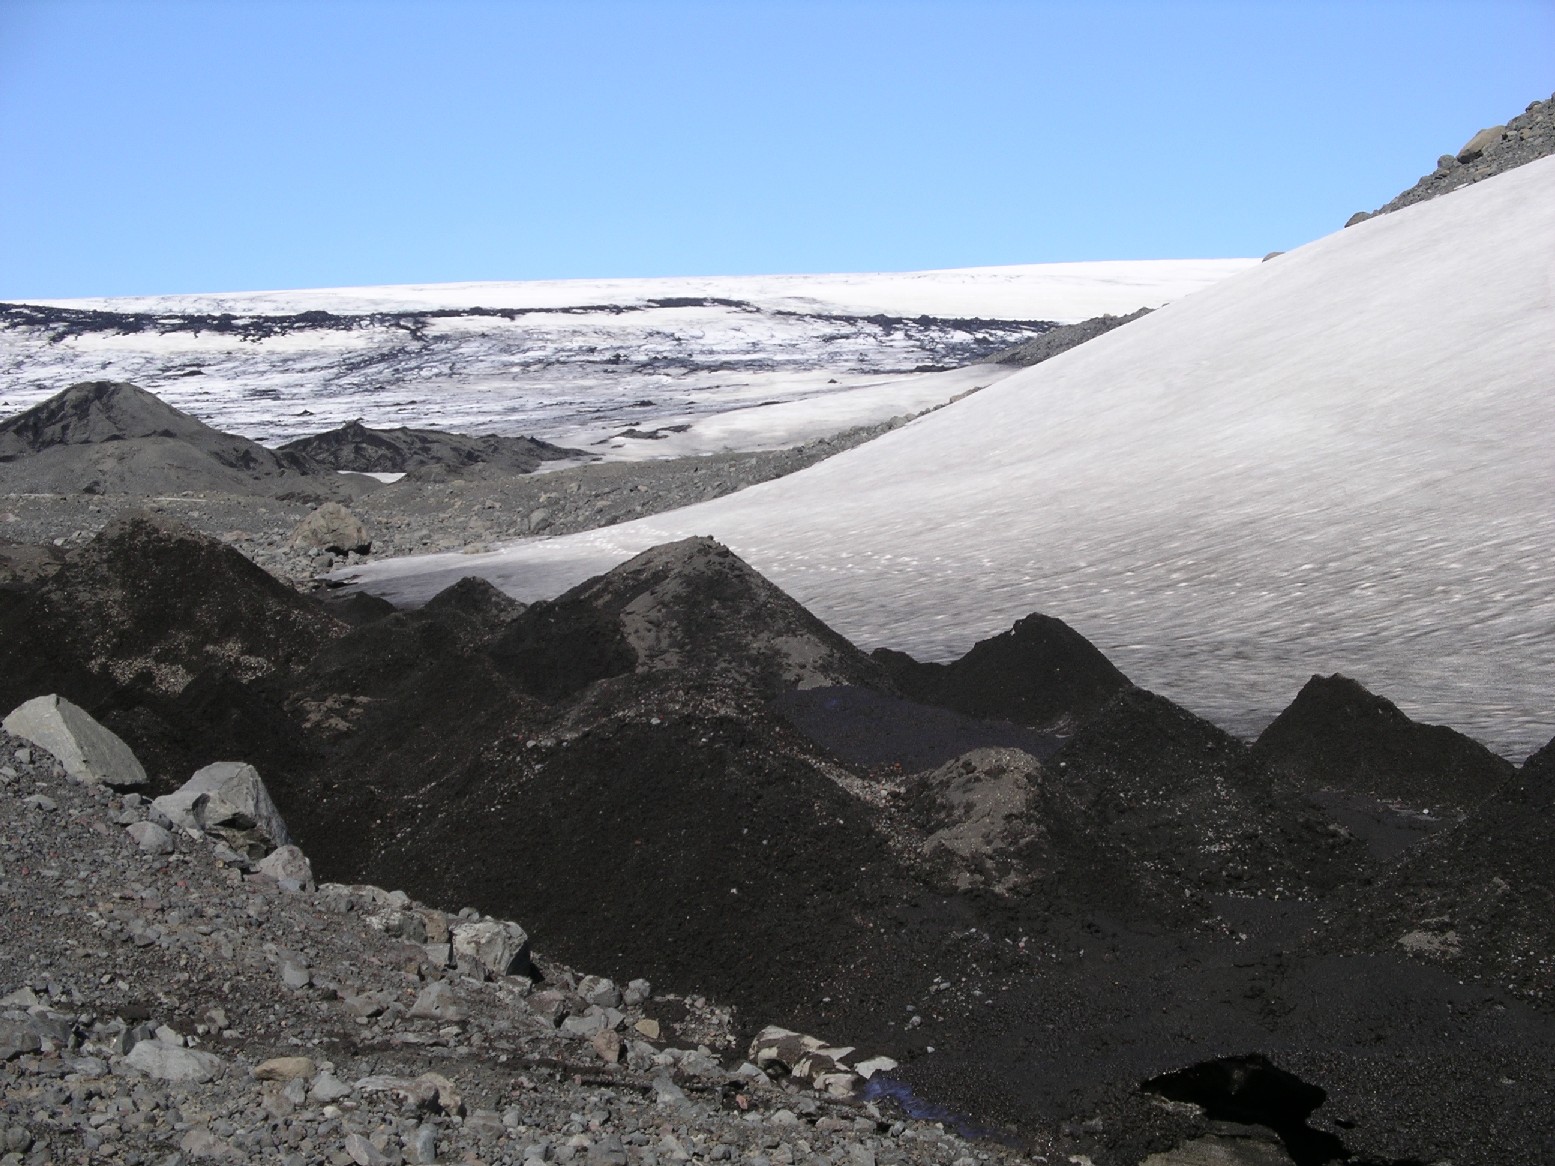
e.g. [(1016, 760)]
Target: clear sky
[(211, 145)]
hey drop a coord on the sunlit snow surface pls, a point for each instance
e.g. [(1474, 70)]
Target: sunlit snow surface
[(580, 361), (1341, 460)]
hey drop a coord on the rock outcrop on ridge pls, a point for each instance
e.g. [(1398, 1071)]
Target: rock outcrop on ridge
[(1493, 150), (1029, 933), (106, 437), (357, 448)]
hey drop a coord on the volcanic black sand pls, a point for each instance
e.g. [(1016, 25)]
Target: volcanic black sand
[(675, 771)]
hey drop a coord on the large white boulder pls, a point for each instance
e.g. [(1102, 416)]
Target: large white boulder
[(500, 947), (227, 799), (89, 752)]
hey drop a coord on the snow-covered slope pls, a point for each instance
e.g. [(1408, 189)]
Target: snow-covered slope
[(1338, 460), (577, 361)]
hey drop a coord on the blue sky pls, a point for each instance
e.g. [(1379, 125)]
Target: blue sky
[(230, 144)]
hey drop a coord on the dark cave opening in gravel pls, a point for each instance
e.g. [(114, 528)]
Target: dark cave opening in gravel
[(1252, 1090)]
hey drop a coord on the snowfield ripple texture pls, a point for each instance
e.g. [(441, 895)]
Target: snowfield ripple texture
[(1339, 460)]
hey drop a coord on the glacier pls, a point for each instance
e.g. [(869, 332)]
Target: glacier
[(576, 362)]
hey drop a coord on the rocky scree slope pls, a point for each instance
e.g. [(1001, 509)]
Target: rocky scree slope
[(1056, 929), (102, 437), (164, 1000)]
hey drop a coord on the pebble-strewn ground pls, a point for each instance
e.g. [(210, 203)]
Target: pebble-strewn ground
[(144, 998)]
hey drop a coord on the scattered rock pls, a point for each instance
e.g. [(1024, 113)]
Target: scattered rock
[(89, 752), (332, 528)]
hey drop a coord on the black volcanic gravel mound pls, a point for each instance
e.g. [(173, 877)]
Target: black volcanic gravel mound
[(1337, 735), (1174, 806), (355, 447), (1061, 339), (1041, 673), (556, 649), (1476, 899), (112, 437), (1176, 900), (695, 605)]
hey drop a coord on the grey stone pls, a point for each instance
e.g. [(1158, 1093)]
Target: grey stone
[(17, 1037), (226, 796), (171, 1063), (421, 1145), (501, 948), (287, 865), (294, 975), (637, 992), (327, 1088), (364, 1153), (438, 1002), (1480, 142), (150, 837), (332, 528), (41, 802), (600, 991), (89, 752)]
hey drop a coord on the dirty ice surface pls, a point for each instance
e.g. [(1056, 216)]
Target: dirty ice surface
[(1339, 460), (577, 362)]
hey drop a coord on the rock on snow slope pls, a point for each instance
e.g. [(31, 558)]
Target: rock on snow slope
[(1337, 460)]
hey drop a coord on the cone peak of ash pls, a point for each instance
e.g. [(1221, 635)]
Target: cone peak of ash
[(694, 604), (1338, 735), (362, 449), (1041, 673), (111, 437)]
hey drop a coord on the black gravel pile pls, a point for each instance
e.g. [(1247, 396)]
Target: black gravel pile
[(1062, 338), (1041, 674), (612, 771), (357, 448), (103, 437), (1338, 736)]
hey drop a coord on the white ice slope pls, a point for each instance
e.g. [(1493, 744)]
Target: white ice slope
[(1343, 459)]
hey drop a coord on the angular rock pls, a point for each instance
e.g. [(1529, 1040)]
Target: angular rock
[(501, 948), (150, 837), (599, 990), (608, 1045), (332, 528), (228, 798), (17, 1037), (172, 1063), (89, 752), (1480, 142), (438, 1002), (284, 1069), (287, 865)]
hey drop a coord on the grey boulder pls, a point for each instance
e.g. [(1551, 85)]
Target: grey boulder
[(227, 799), (499, 947), (89, 752), (168, 1062)]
